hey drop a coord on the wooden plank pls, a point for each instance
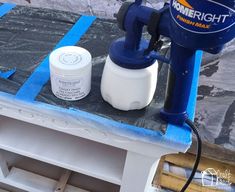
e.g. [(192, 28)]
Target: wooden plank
[(211, 151), (61, 185), (187, 161), (1, 190), (175, 183), (157, 177), (28, 181)]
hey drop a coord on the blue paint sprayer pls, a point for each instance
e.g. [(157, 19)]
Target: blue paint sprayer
[(193, 27)]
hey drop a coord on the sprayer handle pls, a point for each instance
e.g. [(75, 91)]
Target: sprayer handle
[(180, 77), (138, 2)]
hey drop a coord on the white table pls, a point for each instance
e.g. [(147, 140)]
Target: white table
[(74, 141)]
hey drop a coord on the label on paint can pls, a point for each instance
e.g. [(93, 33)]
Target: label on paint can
[(69, 89)]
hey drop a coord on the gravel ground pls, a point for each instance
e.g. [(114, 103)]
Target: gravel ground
[(102, 8)]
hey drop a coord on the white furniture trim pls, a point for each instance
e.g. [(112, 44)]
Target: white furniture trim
[(63, 139)]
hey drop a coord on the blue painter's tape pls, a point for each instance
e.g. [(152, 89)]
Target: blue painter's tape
[(41, 75), (7, 74), (6, 8), (183, 134)]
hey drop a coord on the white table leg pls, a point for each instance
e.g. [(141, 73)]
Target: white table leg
[(4, 171), (138, 173)]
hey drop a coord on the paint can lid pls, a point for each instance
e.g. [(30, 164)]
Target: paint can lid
[(70, 60)]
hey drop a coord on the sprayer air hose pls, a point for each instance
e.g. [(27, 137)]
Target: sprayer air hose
[(198, 156)]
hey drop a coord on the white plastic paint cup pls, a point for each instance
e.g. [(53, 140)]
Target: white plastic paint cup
[(70, 72), (128, 89)]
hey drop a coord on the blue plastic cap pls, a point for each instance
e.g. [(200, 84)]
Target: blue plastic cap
[(130, 59)]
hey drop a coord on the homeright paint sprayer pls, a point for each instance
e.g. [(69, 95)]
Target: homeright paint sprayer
[(130, 70)]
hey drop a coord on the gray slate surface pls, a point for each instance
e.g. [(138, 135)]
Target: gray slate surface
[(29, 35)]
